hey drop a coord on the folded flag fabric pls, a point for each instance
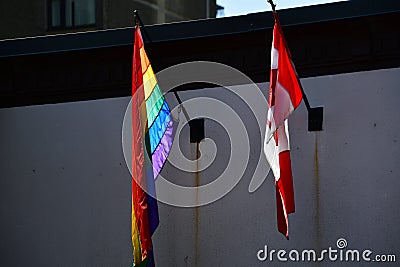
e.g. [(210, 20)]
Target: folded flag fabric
[(152, 134), (285, 95)]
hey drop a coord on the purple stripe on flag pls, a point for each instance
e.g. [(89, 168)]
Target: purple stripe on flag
[(161, 153)]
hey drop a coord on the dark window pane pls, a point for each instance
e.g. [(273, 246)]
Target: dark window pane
[(55, 13), (68, 13), (84, 12)]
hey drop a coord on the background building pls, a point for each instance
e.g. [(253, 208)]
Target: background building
[(41, 17)]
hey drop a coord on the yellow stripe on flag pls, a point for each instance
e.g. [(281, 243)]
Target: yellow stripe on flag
[(149, 81), (137, 254)]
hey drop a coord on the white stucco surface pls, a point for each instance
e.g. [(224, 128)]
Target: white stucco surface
[(65, 187)]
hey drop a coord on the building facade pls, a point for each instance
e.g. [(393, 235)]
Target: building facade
[(65, 188), (33, 18)]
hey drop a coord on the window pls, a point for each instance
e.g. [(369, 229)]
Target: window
[(71, 13)]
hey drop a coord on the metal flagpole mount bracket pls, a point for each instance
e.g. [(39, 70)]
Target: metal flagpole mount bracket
[(315, 119)]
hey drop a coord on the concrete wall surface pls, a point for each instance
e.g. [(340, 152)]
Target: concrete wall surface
[(65, 188)]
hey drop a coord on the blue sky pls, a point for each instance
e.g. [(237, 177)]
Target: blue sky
[(240, 7)]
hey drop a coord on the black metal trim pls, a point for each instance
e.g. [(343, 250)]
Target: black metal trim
[(197, 29), (95, 65)]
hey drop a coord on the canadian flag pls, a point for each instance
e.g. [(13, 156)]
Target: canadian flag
[(285, 95)]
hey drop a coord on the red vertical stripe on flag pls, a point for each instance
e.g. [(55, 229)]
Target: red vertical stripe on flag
[(284, 193), (139, 197)]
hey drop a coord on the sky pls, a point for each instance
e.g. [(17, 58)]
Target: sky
[(241, 7)]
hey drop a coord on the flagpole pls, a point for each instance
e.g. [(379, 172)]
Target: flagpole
[(315, 115), (273, 5), (139, 22)]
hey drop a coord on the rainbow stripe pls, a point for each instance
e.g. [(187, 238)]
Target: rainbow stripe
[(158, 116), (152, 132)]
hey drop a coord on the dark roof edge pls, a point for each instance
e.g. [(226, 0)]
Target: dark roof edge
[(195, 29)]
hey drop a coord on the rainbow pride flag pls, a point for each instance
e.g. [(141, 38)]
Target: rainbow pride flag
[(152, 134)]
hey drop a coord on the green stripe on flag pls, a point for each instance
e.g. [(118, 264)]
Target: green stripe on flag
[(154, 104), (141, 264)]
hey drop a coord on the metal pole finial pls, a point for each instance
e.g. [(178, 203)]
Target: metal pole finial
[(138, 20), (272, 5), (135, 17), (139, 23)]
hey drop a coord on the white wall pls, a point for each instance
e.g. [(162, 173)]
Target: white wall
[(65, 188)]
